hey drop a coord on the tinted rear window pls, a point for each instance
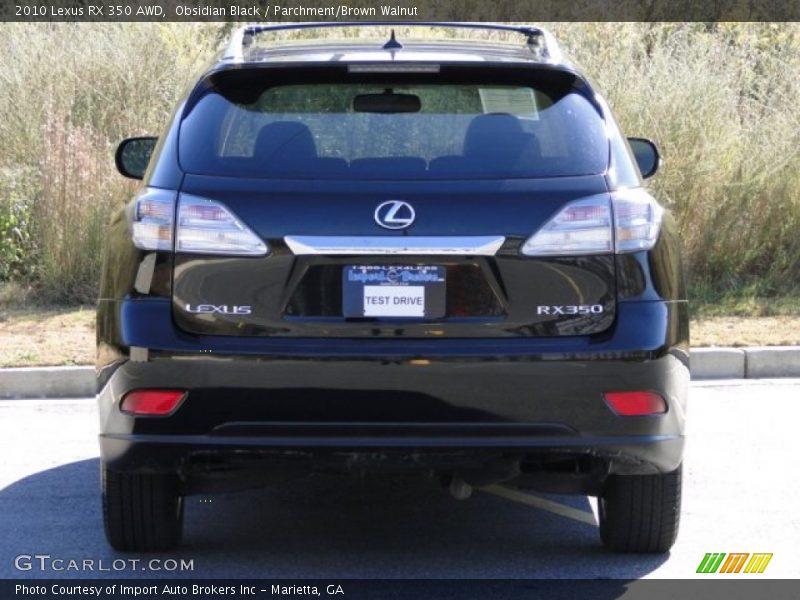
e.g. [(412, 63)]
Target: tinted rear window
[(440, 131)]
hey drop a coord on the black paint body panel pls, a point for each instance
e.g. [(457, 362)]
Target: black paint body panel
[(491, 378), (487, 296)]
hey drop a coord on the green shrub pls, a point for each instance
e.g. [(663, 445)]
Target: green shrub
[(16, 241)]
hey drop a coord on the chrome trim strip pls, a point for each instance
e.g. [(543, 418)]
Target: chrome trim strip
[(487, 245)]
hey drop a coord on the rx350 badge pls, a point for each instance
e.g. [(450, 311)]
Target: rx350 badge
[(570, 309)]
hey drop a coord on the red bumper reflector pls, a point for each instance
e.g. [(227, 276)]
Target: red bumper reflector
[(152, 402), (633, 404)]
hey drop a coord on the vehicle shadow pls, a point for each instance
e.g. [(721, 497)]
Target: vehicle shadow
[(320, 526)]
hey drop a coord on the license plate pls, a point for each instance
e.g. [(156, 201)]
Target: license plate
[(394, 291)]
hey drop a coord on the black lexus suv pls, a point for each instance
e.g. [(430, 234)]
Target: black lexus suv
[(401, 253)]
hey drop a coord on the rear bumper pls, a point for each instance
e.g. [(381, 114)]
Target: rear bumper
[(530, 398), (371, 447)]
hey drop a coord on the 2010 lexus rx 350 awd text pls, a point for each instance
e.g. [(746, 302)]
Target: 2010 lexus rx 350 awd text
[(407, 253)]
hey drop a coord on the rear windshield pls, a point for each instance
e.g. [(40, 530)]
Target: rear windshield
[(394, 130)]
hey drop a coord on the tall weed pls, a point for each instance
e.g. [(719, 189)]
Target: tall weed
[(68, 93), (719, 99)]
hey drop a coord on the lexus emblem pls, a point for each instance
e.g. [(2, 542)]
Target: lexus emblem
[(394, 214)]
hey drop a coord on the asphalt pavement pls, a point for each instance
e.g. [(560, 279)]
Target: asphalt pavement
[(740, 489)]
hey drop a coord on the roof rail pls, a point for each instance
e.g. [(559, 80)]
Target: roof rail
[(539, 41)]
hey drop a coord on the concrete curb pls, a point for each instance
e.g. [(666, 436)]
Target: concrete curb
[(718, 363), (47, 382), (707, 363), (777, 361)]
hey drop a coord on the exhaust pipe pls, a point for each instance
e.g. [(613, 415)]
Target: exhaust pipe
[(462, 483), (459, 489)]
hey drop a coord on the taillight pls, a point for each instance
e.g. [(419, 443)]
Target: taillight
[(624, 221), (203, 226), (208, 227), (151, 222), (636, 404), (153, 403), (581, 227), (637, 220)]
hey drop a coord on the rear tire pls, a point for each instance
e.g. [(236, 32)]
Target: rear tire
[(640, 513), (142, 512)]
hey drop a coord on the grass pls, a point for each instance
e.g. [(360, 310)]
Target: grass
[(36, 334), (47, 336), (783, 330), (745, 320), (745, 306)]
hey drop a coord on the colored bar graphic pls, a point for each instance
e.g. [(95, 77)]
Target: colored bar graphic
[(734, 562), (740, 564), (758, 563), (711, 562), (701, 568)]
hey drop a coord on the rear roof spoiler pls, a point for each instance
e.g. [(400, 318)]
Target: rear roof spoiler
[(539, 41)]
